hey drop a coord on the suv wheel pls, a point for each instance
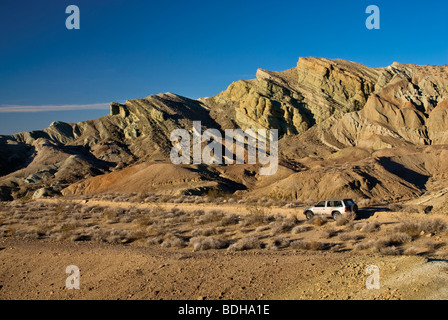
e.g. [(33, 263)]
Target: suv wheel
[(336, 214), (309, 214)]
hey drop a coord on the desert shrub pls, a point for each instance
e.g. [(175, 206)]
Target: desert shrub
[(80, 237), (112, 214), (368, 227), (317, 221), (345, 219), (364, 245), (388, 251), (284, 225), (204, 232), (418, 228), (399, 238), (247, 243), (209, 217), (431, 245), (262, 228), (228, 220), (411, 251), (307, 245), (27, 234), (155, 240), (256, 216), (198, 213), (143, 220), (127, 219), (350, 237), (246, 230), (300, 229), (329, 233), (114, 238), (201, 243), (278, 243), (386, 247), (434, 225), (173, 242)]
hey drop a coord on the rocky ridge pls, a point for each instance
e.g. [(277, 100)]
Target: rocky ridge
[(346, 130)]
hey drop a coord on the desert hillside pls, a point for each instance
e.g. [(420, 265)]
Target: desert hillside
[(373, 134)]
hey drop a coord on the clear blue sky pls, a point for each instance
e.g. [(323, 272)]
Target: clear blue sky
[(131, 49)]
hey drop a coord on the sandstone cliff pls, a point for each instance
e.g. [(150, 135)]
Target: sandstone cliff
[(346, 130)]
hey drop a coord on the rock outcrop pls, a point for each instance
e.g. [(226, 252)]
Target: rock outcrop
[(343, 129)]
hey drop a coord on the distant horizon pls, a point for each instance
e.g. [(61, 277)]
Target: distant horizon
[(132, 49)]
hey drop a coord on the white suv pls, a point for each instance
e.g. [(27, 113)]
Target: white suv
[(334, 208)]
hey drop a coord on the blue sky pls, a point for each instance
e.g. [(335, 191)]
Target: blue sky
[(131, 49)]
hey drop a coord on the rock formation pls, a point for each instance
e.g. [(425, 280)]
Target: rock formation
[(346, 130)]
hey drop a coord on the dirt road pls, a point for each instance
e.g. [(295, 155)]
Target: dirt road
[(36, 270)]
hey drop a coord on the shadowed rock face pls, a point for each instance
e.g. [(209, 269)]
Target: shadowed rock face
[(331, 114)]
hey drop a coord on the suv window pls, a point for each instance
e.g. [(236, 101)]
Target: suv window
[(349, 202), (321, 204), (336, 204)]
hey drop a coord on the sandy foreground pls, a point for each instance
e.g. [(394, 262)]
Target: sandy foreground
[(36, 270)]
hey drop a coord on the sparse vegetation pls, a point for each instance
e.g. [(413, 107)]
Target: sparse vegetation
[(198, 229), (307, 245), (246, 243)]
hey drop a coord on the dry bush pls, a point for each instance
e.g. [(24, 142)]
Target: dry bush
[(197, 213), (27, 234), (387, 246), (399, 238), (256, 216), (388, 251), (156, 230), (246, 230), (307, 245), (301, 228), (432, 246), (368, 227), (284, 225), (173, 242), (204, 232), (411, 251), (113, 215), (202, 243), (418, 228), (247, 243), (262, 228), (350, 237), (228, 220), (278, 243), (329, 233), (155, 240), (317, 221), (345, 219), (210, 217), (364, 245)]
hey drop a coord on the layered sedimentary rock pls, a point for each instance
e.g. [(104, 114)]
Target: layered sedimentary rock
[(346, 129)]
